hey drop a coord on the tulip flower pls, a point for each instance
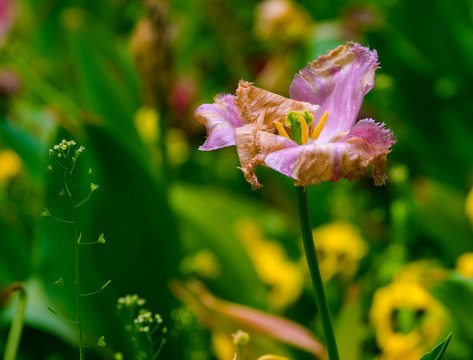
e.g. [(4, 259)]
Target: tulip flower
[(312, 137)]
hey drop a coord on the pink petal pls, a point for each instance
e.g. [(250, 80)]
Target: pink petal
[(221, 119), (307, 164), (372, 132), (366, 144), (337, 82)]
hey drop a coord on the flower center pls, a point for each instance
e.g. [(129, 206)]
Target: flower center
[(299, 123)]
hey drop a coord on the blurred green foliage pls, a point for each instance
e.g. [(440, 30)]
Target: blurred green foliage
[(83, 69)]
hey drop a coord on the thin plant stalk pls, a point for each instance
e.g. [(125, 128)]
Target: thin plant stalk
[(311, 256), (77, 270), (14, 335)]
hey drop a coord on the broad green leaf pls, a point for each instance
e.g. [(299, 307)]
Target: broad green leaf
[(28, 147), (456, 293), (103, 73), (350, 342), (439, 210), (208, 218)]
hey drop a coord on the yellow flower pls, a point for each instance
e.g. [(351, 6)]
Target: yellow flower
[(464, 265), (340, 248), (10, 164), (272, 265), (177, 146), (469, 205), (204, 264), (407, 319), (222, 345), (282, 21), (146, 123)]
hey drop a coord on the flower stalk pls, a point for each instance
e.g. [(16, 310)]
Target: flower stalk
[(66, 154), (77, 273), (14, 335), (311, 256)]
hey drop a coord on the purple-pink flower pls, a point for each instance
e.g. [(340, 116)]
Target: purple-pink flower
[(6, 18), (311, 137)]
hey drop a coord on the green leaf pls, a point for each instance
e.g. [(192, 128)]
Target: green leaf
[(456, 293), (350, 317), (439, 211), (439, 351), (201, 209), (104, 86)]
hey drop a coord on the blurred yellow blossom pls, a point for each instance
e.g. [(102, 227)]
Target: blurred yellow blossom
[(423, 272), (469, 206), (286, 24), (204, 264), (177, 146), (222, 345), (224, 348), (407, 319), (464, 265), (10, 165), (340, 248), (272, 265), (282, 20), (146, 123)]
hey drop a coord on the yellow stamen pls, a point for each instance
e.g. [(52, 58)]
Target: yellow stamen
[(281, 130), (304, 130), (318, 129)]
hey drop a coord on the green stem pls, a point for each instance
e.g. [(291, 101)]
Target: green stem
[(311, 257), (14, 334), (77, 273), (83, 201), (99, 290), (156, 354)]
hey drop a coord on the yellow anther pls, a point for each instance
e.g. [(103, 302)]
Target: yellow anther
[(281, 130), (304, 130), (318, 129)]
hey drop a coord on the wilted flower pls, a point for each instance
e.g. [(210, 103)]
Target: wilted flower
[(311, 137)]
